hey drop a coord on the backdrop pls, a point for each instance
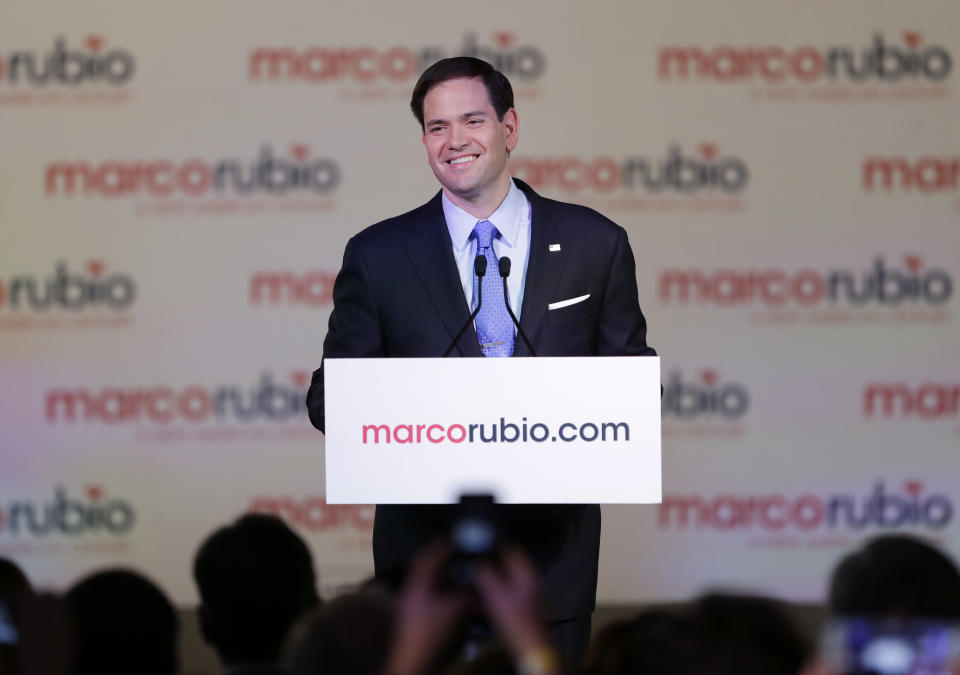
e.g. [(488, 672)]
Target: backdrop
[(178, 181)]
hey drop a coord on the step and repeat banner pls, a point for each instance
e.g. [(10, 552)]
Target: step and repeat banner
[(178, 181)]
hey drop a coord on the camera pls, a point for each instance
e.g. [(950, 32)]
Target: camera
[(476, 536)]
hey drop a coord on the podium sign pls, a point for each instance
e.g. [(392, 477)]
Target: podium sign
[(526, 430)]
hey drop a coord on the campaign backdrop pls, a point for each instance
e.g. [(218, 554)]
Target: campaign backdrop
[(178, 181)]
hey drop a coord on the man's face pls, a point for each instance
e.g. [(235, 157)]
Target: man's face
[(466, 144)]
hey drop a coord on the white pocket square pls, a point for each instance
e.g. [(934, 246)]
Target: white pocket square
[(568, 302)]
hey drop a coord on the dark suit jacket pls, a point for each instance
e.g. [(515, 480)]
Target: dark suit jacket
[(399, 294)]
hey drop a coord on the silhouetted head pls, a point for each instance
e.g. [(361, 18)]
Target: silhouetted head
[(655, 642), (12, 579), (255, 579), (123, 624), (718, 634), (896, 576), (350, 634), (749, 635)]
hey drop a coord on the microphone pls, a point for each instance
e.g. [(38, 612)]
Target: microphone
[(479, 269), (504, 273)]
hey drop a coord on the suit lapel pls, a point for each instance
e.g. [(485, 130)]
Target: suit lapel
[(543, 267), (431, 252)]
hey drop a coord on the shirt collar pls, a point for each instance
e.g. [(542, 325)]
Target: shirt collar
[(512, 212)]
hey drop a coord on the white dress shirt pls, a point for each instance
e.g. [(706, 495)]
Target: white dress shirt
[(512, 220)]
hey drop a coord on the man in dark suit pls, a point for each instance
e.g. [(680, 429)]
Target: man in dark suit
[(407, 286)]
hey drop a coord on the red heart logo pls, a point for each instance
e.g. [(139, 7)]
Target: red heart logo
[(709, 376), (503, 38), (94, 42), (95, 492), (300, 151), (912, 38), (300, 377), (95, 267), (913, 262), (708, 150), (913, 487)]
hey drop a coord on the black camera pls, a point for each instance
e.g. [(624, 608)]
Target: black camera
[(476, 536)]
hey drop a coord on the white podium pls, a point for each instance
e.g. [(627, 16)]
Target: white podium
[(526, 430)]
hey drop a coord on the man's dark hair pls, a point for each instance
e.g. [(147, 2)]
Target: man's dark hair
[(123, 624), (350, 634), (457, 67), (719, 634), (255, 579), (896, 575), (12, 579)]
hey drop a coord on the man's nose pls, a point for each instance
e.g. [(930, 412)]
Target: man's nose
[(458, 139)]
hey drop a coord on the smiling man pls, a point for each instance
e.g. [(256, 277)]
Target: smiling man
[(407, 285)]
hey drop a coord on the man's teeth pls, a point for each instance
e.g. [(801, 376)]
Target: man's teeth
[(461, 160)]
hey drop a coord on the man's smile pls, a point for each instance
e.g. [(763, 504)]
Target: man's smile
[(463, 160)]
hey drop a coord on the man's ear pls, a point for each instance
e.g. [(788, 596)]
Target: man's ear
[(512, 125)]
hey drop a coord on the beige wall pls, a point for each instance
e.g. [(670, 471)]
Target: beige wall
[(750, 187)]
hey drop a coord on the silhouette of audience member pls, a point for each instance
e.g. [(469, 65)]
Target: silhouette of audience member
[(123, 624), (255, 579), (718, 635), (349, 635), (748, 635), (893, 579), (898, 576), (655, 641), (12, 579)]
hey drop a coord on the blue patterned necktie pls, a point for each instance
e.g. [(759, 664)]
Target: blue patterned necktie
[(494, 326)]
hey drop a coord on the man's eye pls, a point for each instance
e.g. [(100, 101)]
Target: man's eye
[(435, 130), (474, 123)]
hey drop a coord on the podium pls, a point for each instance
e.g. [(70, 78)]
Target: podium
[(526, 430)]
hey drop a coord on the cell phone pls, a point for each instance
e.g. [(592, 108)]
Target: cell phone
[(880, 646), (475, 535)]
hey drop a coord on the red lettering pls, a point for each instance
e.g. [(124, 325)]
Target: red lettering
[(400, 63), (808, 287), (159, 178), (462, 432), (807, 64), (808, 512), (772, 63), (194, 404), (604, 174), (157, 412), (194, 177), (407, 438), (364, 64), (773, 516)]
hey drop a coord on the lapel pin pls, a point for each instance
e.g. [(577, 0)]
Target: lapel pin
[(554, 247)]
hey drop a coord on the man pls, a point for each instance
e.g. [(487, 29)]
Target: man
[(407, 285), (123, 623), (255, 579)]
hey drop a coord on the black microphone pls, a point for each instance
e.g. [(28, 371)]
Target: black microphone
[(505, 272), (479, 269)]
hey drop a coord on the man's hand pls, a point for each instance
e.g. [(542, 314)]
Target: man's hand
[(427, 618), (513, 600)]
